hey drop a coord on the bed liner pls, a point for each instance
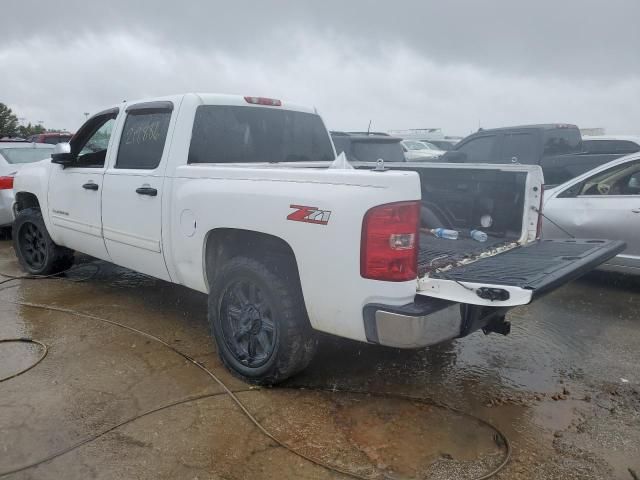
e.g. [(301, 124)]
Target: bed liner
[(441, 252)]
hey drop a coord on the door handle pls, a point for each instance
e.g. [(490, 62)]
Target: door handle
[(90, 186), (152, 192)]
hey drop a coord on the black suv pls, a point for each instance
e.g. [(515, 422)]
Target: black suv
[(557, 148)]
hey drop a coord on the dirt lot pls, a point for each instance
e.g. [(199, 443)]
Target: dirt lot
[(564, 387)]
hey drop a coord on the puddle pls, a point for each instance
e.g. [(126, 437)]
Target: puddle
[(374, 435)]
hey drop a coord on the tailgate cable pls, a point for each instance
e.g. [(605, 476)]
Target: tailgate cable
[(539, 212), (499, 437)]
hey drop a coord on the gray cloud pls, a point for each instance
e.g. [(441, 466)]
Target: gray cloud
[(402, 64)]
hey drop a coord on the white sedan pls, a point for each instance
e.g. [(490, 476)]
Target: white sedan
[(601, 203), (416, 150), (12, 156)]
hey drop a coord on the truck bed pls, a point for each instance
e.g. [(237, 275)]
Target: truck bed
[(438, 252), (539, 266)]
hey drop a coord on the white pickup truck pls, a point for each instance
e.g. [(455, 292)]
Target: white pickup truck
[(242, 198)]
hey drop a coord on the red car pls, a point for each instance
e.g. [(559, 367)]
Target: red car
[(51, 137)]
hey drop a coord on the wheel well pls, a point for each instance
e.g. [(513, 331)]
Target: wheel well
[(26, 200), (224, 244)]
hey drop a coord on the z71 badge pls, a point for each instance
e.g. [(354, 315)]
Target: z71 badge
[(309, 215)]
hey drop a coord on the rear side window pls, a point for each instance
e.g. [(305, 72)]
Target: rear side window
[(478, 149), (558, 141), (234, 134), (520, 148), (143, 139)]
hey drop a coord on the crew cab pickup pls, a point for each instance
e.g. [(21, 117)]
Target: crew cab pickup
[(557, 148), (243, 199)]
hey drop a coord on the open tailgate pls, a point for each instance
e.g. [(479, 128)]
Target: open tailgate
[(517, 276)]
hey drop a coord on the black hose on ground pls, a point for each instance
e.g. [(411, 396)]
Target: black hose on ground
[(45, 350), (54, 276), (332, 468)]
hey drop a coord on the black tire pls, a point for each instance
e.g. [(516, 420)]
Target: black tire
[(272, 315), (36, 252)]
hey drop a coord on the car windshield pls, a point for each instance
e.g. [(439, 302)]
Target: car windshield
[(25, 155), (413, 145), (430, 146), (373, 151), (562, 140)]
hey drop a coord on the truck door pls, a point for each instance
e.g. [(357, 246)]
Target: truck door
[(75, 191), (133, 187)]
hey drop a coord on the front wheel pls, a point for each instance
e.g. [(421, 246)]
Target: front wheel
[(36, 251), (259, 321)]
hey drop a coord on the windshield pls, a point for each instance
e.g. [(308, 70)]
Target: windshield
[(558, 141), (373, 151), (430, 146), (414, 145), (25, 155), (231, 134)]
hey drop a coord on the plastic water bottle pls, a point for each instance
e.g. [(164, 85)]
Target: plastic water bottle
[(444, 233), (478, 235)]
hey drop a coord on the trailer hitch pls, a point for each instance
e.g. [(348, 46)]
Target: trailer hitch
[(499, 325)]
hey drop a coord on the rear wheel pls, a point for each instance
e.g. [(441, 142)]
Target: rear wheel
[(36, 251), (259, 321)]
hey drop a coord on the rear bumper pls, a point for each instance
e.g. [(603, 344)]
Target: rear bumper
[(6, 207), (426, 321)]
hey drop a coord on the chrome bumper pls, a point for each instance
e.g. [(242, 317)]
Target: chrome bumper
[(425, 322), (414, 325)]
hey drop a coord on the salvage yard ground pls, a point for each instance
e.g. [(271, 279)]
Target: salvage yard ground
[(564, 387)]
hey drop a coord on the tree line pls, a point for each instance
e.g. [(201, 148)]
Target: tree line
[(10, 127)]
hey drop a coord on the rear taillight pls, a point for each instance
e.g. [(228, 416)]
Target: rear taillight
[(539, 226), (272, 102), (389, 246), (6, 183)]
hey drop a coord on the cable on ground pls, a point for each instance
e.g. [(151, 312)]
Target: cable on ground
[(44, 348), (332, 468)]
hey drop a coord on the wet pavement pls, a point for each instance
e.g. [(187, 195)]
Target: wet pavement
[(564, 387)]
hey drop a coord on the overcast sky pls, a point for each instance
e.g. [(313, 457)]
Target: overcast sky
[(454, 64)]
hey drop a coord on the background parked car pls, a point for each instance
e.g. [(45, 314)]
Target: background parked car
[(445, 144), (602, 203), (557, 148), (51, 137), (620, 144), (12, 156), (360, 147), (415, 150)]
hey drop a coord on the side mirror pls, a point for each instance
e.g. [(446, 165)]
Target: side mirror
[(454, 156), (62, 155)]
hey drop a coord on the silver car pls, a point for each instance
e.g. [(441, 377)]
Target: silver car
[(601, 203), (12, 156)]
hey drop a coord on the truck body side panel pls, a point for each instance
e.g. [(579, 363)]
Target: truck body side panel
[(206, 198)]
